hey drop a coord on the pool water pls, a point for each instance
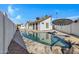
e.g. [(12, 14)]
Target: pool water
[(45, 38)]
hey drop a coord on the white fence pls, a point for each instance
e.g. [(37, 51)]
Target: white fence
[(71, 29), (7, 31)]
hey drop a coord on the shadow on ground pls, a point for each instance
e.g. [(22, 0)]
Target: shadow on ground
[(17, 45)]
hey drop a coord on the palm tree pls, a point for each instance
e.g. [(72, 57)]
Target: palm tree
[(45, 17), (70, 48), (37, 18)]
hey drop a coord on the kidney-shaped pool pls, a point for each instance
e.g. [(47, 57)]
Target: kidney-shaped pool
[(45, 38)]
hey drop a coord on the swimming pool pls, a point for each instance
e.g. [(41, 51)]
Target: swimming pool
[(45, 38)]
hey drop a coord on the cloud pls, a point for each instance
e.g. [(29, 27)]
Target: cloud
[(10, 10), (13, 14), (18, 17), (73, 17)]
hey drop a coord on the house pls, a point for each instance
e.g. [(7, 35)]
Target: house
[(72, 28), (44, 23), (21, 27)]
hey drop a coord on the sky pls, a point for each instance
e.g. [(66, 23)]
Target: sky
[(21, 13)]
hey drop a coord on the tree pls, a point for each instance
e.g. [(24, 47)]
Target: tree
[(62, 21), (45, 17), (37, 18)]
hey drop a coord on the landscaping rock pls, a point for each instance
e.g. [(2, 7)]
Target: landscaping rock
[(56, 50), (38, 48)]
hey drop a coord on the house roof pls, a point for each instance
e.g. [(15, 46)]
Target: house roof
[(62, 21), (38, 21)]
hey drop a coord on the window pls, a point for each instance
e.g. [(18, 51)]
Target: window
[(47, 26)]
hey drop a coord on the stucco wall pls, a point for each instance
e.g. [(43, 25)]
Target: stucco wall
[(66, 28), (40, 25), (1, 32), (75, 28), (31, 27), (43, 26), (71, 29), (7, 31), (26, 26)]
